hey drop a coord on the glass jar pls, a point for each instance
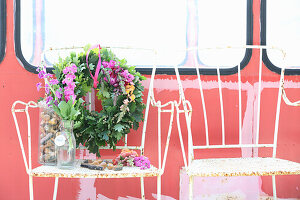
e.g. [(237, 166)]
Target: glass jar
[(65, 146), (49, 126)]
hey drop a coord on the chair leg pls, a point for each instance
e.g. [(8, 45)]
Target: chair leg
[(55, 188), (30, 187), (142, 188), (158, 197), (274, 187), (191, 185)]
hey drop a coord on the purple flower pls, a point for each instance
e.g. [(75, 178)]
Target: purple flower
[(112, 63), (48, 75), (130, 77), (69, 79), (38, 86), (56, 103), (47, 89), (58, 93), (68, 92), (41, 74), (73, 68), (66, 70), (105, 64), (68, 97), (48, 99), (142, 162), (112, 81), (117, 69), (71, 86), (53, 81)]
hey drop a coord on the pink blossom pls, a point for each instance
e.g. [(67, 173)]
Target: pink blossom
[(142, 162), (48, 99), (53, 81), (38, 86), (58, 93), (72, 68), (112, 63), (41, 74), (47, 90), (105, 64)]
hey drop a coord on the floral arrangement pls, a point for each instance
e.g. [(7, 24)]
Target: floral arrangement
[(130, 158), (61, 96), (118, 87)]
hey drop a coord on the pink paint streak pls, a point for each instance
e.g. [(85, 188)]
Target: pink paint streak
[(234, 187)]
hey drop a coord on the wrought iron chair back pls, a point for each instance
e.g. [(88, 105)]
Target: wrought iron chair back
[(230, 166), (45, 171)]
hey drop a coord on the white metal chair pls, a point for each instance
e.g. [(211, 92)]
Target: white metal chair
[(218, 167), (78, 172)]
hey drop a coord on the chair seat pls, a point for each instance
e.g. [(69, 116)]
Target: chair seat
[(80, 172), (242, 167)]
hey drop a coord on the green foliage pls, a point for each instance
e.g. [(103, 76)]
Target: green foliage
[(120, 111)]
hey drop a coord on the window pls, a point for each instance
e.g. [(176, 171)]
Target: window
[(167, 26), (113, 23), (281, 28), (2, 28), (226, 28)]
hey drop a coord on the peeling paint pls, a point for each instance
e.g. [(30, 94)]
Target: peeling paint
[(87, 189), (233, 187)]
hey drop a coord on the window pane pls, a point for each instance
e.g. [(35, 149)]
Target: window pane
[(283, 30), (222, 23), (134, 23)]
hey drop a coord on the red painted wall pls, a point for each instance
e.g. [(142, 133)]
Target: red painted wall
[(18, 84)]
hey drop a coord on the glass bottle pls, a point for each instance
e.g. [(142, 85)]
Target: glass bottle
[(49, 126), (65, 146)]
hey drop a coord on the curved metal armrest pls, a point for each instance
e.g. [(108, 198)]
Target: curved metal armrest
[(30, 104), (161, 109), (286, 99), (188, 110)]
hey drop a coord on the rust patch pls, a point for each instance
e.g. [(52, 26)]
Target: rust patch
[(120, 175)]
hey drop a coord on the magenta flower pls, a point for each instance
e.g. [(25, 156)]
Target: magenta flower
[(117, 69), (112, 63), (53, 81), (48, 99), (47, 90), (65, 71), (124, 73), (68, 97), (105, 64), (130, 77), (38, 86), (41, 74), (112, 81), (72, 68), (58, 93), (71, 86), (69, 79), (142, 162)]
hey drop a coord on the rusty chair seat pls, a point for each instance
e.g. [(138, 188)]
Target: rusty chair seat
[(242, 167), (80, 172)]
